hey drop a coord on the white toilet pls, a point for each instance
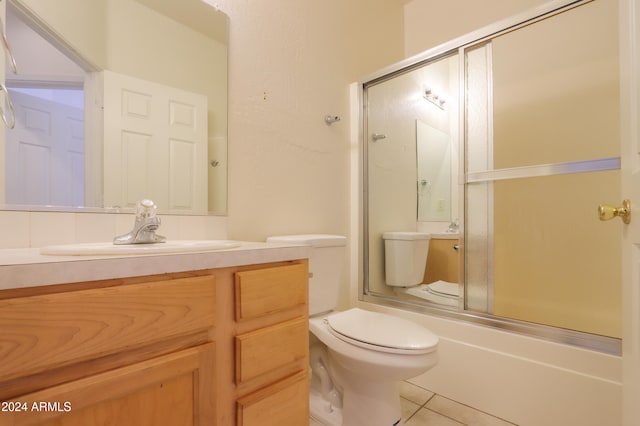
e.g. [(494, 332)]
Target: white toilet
[(357, 357), (405, 258)]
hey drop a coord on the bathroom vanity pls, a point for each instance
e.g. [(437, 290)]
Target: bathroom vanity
[(207, 338)]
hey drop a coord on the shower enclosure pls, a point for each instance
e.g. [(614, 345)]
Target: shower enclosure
[(513, 130)]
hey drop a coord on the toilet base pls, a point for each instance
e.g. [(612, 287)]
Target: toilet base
[(323, 411), (361, 409), (375, 404)]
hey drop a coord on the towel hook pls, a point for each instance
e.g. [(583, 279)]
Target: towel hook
[(330, 119)]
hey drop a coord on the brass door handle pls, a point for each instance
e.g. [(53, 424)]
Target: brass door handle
[(606, 212)]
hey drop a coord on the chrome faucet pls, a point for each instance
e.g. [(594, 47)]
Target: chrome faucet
[(453, 227), (144, 227)]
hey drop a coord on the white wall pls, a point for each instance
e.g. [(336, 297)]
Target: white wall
[(290, 65), (21, 229)]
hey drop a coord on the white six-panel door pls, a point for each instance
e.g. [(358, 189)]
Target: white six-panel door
[(45, 153), (155, 145)]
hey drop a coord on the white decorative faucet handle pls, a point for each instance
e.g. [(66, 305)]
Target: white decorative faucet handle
[(144, 227), (145, 208), (146, 203)]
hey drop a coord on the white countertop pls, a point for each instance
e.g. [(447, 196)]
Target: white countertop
[(28, 268), (445, 236)]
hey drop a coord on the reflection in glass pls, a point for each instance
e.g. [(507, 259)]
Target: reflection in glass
[(44, 154), (73, 44), (434, 173), (396, 189)]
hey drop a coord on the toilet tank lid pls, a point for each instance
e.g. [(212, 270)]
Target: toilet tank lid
[(314, 240), (395, 235)]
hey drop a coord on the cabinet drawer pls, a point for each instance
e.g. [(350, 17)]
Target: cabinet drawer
[(284, 403), (50, 331), (264, 291), (270, 348)]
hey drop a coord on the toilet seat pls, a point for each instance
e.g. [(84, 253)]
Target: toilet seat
[(444, 289), (381, 332)]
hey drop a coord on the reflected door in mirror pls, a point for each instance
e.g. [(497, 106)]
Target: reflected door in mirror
[(155, 144), (45, 151)]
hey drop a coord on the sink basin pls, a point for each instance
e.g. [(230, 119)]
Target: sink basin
[(108, 248)]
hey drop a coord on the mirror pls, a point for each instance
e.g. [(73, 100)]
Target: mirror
[(433, 159), (412, 146), (534, 127), (162, 64)]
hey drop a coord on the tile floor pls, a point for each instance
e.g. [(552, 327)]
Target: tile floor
[(421, 407)]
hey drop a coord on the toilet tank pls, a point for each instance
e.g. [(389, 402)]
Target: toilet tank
[(405, 257), (326, 264)]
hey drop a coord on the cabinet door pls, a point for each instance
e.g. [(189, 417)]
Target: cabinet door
[(49, 331), (283, 403), (442, 261), (174, 389)]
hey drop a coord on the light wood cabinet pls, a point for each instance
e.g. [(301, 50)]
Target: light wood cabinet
[(192, 348), (272, 346), (269, 348), (259, 293), (442, 261), (173, 389), (276, 405)]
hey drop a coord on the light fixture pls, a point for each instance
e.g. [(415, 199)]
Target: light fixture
[(434, 98)]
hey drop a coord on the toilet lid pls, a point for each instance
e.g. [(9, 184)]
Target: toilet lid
[(386, 333)]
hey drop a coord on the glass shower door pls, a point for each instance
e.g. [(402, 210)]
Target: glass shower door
[(542, 151)]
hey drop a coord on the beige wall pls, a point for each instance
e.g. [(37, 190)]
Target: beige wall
[(86, 33), (112, 34)]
